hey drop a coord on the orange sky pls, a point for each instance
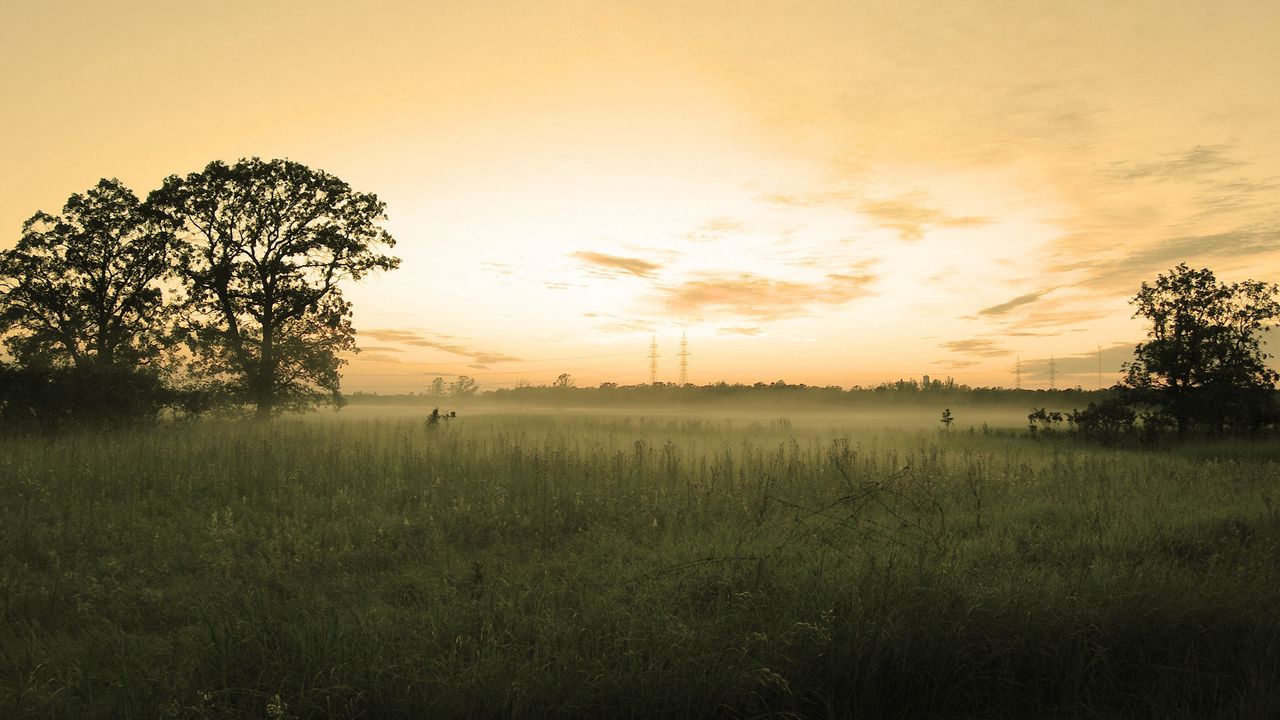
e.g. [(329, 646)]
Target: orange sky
[(823, 192)]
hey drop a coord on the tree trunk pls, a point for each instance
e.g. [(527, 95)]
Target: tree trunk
[(266, 373)]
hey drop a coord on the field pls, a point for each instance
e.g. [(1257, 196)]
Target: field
[(596, 564)]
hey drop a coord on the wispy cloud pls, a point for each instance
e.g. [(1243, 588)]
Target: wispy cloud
[(1017, 302), (746, 331), (615, 265), (1127, 271), (715, 228), (1197, 161), (757, 296), (417, 339), (911, 218), (809, 199), (976, 347)]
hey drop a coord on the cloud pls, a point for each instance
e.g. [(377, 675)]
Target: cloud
[(911, 219), (1127, 271), (747, 331), (714, 229), (805, 200), (1233, 195), (756, 296), (416, 339), (1199, 160), (1019, 301), (614, 265), (906, 214), (619, 324), (500, 268), (625, 327), (1056, 319), (978, 347)]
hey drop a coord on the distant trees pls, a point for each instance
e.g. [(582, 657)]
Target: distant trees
[(263, 246), (253, 252), (1203, 364), (464, 386)]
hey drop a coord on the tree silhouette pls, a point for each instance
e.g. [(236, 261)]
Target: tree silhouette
[(83, 287), (264, 246), (464, 386), (1204, 364)]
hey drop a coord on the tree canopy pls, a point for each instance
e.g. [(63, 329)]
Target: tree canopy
[(264, 246), (1204, 363), (84, 286)]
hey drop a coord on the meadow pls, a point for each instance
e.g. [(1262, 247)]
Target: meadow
[(567, 564)]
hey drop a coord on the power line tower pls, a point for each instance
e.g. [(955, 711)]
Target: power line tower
[(1099, 367), (1017, 374), (1053, 373), (653, 360), (684, 359)]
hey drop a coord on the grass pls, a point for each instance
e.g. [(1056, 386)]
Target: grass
[(585, 565)]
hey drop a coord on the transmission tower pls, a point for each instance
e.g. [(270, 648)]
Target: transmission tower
[(1053, 372), (1017, 374), (653, 360), (684, 359), (1099, 367)]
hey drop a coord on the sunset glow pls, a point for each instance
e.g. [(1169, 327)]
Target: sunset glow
[(821, 192)]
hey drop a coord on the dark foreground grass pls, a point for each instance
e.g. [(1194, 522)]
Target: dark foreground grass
[(586, 567)]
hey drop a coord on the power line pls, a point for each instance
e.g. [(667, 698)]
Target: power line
[(684, 359), (653, 360)]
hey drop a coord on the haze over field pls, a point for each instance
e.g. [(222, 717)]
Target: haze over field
[(827, 192)]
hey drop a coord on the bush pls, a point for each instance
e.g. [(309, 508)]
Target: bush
[(51, 397), (1108, 418)]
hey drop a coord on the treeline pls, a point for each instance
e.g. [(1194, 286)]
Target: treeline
[(217, 292), (902, 392), (1202, 370)]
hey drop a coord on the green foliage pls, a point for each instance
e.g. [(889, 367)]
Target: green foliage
[(574, 566), (1042, 421), (55, 397), (1203, 365), (264, 246), (84, 286), (1108, 418)]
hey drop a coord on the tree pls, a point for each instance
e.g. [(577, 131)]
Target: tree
[(83, 287), (1203, 364), (438, 388), (464, 386), (264, 246), (564, 381)]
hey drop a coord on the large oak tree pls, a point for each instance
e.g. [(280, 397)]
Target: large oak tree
[(265, 245), (84, 286)]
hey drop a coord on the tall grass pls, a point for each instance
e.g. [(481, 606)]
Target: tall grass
[(577, 566)]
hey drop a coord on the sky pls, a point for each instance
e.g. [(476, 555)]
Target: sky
[(830, 193)]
